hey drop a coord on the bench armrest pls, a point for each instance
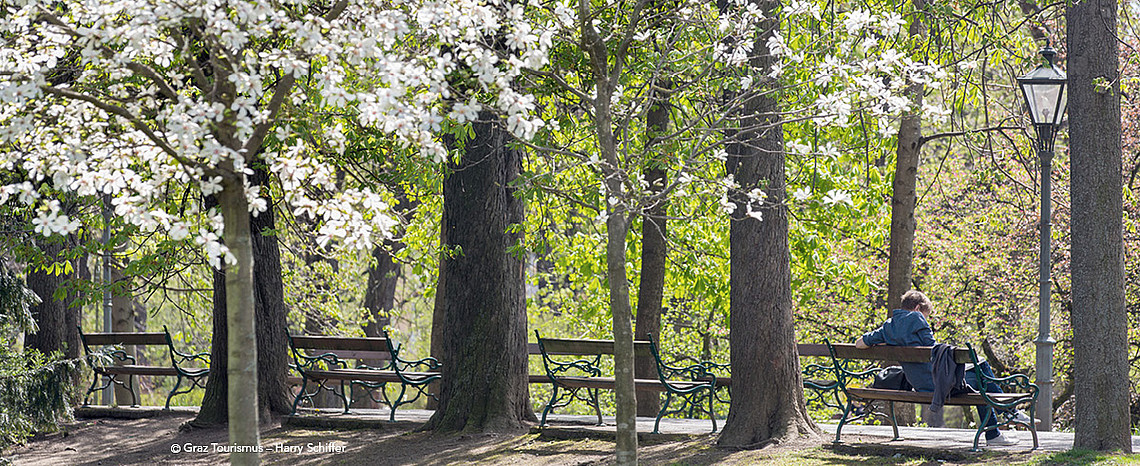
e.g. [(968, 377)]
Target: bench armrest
[(178, 358), (1010, 384), (428, 364)]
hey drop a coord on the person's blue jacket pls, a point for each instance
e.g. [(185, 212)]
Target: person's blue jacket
[(907, 328)]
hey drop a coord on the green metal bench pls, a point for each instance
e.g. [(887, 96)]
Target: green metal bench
[(325, 361), (568, 376), (820, 386), (191, 367), (1018, 387)]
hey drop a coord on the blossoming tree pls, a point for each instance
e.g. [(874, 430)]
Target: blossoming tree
[(131, 98)]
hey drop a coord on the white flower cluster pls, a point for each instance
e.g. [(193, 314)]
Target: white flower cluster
[(144, 106)]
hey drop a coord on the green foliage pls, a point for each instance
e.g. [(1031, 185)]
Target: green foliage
[(35, 390), (16, 303)]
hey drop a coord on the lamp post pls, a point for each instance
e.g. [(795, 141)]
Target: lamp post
[(1044, 92)]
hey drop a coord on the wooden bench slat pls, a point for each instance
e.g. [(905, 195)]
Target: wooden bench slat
[(812, 349), (340, 343), (567, 347), (607, 383), (970, 399), (125, 338), (894, 353), (130, 369), (367, 375), (349, 354)]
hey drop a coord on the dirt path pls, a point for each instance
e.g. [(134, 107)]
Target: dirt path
[(156, 440)]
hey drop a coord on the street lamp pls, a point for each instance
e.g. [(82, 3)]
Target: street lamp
[(1044, 92)]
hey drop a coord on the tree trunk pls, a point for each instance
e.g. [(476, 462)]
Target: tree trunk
[(123, 320), (272, 342), (904, 194), (380, 294), (481, 290), (51, 315), (270, 324), (215, 408), (1099, 317), (653, 252), (242, 395), (767, 393), (904, 198)]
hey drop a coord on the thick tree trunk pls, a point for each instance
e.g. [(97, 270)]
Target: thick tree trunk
[(767, 393), (1099, 318), (215, 407), (241, 340), (269, 301), (51, 315), (653, 252), (481, 291), (380, 291), (272, 344)]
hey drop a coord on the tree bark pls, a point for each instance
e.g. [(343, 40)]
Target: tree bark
[(242, 354), (904, 198), (269, 301), (51, 315), (767, 393), (270, 323), (123, 320), (653, 252), (380, 294), (904, 194), (1099, 316), (215, 407), (481, 291)]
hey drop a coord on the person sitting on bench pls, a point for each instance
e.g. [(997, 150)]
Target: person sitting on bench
[(910, 326)]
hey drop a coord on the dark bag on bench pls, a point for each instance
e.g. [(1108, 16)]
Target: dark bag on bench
[(891, 378)]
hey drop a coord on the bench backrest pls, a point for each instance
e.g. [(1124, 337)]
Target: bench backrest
[(344, 347), (894, 353), (124, 338), (812, 349), (570, 347)]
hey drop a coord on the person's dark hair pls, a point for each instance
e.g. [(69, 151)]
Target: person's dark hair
[(912, 299)]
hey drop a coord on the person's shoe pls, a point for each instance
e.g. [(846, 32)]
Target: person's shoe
[(1002, 440), (1019, 416)]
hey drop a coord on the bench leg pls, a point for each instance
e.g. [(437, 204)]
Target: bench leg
[(343, 398), (173, 392), (712, 414), (982, 428), (597, 406), (661, 413), (843, 420), (131, 387), (94, 388), (894, 423), (301, 393), (549, 404), (396, 404), (1033, 427)]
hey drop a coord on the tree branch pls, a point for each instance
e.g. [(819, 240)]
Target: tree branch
[(925, 139), (135, 121)]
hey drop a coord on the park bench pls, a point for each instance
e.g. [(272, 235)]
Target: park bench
[(123, 369), (325, 361), (1019, 389), (820, 386), (573, 365)]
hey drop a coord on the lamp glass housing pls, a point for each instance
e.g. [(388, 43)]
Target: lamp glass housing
[(1044, 92)]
